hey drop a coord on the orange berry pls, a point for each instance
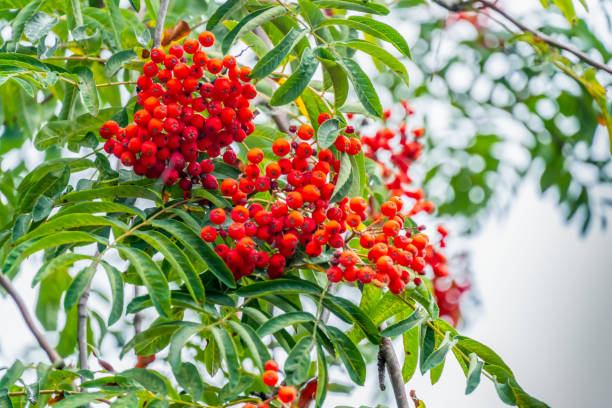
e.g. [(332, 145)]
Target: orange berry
[(391, 228), (281, 147), (208, 233), (358, 204), (270, 378), (255, 155), (305, 132), (389, 209), (287, 393), (206, 38)]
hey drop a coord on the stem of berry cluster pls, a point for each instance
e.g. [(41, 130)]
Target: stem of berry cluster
[(395, 371), (40, 338)]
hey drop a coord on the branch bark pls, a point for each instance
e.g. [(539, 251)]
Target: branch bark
[(395, 371), (463, 6), (159, 25), (40, 338), (82, 328)]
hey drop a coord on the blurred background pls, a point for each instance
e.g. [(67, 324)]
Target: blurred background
[(520, 171)]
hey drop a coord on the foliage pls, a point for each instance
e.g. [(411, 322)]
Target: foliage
[(70, 68)]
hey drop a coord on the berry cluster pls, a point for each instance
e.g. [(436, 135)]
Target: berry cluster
[(285, 394), (301, 182), (170, 131), (395, 148)]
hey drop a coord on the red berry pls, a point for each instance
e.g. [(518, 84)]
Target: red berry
[(270, 378), (208, 233), (217, 216)]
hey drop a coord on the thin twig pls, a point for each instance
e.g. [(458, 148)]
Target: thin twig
[(138, 315), (116, 83), (463, 6), (40, 338), (159, 25)]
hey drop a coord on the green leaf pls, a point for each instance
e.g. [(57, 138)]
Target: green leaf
[(374, 28), (341, 307), (22, 223), (468, 346), (42, 208), (250, 22), (427, 344), (504, 391), (357, 5), (328, 133), (224, 11), (282, 321), (415, 319), (50, 295), (116, 61), (152, 277), (89, 92), (39, 26), (474, 371), (567, 8), (116, 284), (5, 401), (65, 222), (336, 74), (11, 375), (77, 400), (259, 351), (274, 57), (189, 378), (311, 13), (437, 357), (228, 350), (93, 207), (20, 20), (115, 20), (177, 259), (111, 193), (126, 401), (179, 339), (344, 178), (149, 379), (349, 354), (298, 361), (278, 286), (215, 198), (60, 132), (206, 254), (78, 287), (293, 87), (363, 87), (322, 377), (379, 53), (19, 253), (410, 340)]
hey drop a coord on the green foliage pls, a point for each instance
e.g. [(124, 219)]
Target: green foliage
[(80, 214)]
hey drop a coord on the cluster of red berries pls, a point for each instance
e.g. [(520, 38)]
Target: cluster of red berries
[(301, 183), (285, 393), (395, 149), (170, 131)]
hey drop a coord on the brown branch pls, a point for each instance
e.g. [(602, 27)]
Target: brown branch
[(463, 6), (138, 315), (159, 25), (40, 338)]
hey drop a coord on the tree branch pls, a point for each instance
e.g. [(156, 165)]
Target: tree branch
[(463, 6), (159, 25), (40, 338), (138, 315), (82, 328), (395, 371)]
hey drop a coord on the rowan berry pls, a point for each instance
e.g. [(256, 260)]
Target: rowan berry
[(206, 38), (208, 233), (270, 378), (306, 132), (217, 216)]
